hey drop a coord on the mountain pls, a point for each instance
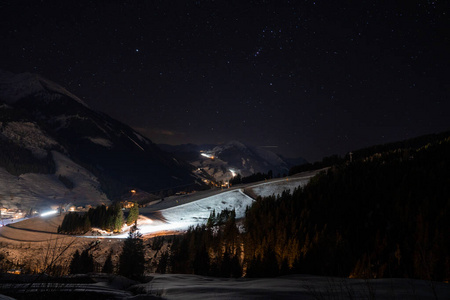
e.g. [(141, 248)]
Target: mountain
[(45, 129), (220, 160)]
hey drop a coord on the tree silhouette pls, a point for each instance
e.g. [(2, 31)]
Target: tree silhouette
[(132, 259)]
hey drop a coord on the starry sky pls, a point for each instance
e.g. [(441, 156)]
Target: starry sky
[(303, 78)]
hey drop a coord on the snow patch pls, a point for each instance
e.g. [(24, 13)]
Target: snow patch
[(64, 120), (141, 138), (101, 141)]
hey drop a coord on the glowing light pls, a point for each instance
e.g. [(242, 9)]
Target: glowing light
[(233, 173), (207, 155), (48, 213)]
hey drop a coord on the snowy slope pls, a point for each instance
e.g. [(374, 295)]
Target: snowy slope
[(181, 217), (267, 189), (41, 191), (234, 155), (41, 116)]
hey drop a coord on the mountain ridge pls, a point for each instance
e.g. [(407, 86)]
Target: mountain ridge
[(223, 161), (39, 117)]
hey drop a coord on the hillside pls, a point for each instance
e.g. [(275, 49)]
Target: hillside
[(224, 160), (379, 217), (44, 129)]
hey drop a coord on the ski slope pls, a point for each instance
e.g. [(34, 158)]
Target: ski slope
[(181, 217)]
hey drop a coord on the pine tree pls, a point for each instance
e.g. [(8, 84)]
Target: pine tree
[(132, 259), (81, 263), (86, 262), (118, 221), (108, 267), (133, 215), (74, 267), (163, 263)]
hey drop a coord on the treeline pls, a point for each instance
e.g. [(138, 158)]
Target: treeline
[(74, 223), (220, 218), (404, 147), (131, 260), (251, 178), (205, 250), (66, 181), (386, 216), (110, 219), (324, 163), (17, 160)]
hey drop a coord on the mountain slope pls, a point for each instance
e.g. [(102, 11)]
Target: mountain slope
[(219, 160), (40, 120)]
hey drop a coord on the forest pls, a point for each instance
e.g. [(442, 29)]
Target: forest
[(110, 219), (380, 216)]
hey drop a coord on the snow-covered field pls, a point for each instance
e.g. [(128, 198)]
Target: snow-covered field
[(182, 286), (177, 286), (181, 217), (267, 189)]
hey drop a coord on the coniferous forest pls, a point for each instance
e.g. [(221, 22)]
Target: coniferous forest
[(110, 219), (382, 215)]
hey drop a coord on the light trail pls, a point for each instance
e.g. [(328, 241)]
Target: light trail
[(48, 213)]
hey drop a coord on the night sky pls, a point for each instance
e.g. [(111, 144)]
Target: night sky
[(305, 78)]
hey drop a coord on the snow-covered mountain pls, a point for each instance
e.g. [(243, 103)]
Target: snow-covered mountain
[(221, 161), (54, 148)]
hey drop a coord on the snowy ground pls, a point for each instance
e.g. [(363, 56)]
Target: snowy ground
[(182, 286), (177, 286), (179, 213), (181, 217), (267, 189)]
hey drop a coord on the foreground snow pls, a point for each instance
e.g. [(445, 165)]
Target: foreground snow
[(182, 286), (176, 286)]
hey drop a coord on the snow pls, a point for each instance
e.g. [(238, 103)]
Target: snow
[(86, 189), (64, 120), (181, 217), (181, 286), (28, 135), (198, 212), (101, 141), (217, 168), (141, 138), (186, 286), (40, 191)]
